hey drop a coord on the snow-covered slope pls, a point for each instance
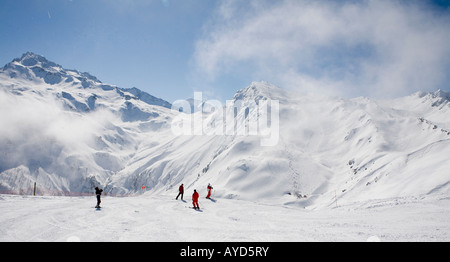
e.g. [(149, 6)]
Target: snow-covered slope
[(67, 131), (156, 218), (329, 149)]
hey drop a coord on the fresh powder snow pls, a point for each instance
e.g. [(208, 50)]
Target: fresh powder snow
[(284, 166), (163, 219)]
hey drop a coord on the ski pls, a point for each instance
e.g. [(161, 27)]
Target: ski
[(199, 210)]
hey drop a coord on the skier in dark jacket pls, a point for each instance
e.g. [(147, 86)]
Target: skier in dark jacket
[(181, 192), (98, 192)]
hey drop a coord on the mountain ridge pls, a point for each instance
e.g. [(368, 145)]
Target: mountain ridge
[(33, 65), (69, 139)]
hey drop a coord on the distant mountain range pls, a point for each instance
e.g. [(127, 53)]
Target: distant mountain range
[(36, 68), (68, 132)]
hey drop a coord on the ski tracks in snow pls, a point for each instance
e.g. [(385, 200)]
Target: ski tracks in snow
[(164, 219)]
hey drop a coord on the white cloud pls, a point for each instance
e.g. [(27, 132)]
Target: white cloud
[(376, 48), (30, 120)]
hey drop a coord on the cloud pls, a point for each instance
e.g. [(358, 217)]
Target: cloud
[(30, 120), (351, 48), (38, 132)]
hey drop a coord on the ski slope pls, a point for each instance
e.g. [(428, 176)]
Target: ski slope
[(68, 132), (338, 170), (160, 218)]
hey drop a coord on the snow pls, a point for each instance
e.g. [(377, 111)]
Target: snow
[(336, 169), (69, 134), (160, 218)]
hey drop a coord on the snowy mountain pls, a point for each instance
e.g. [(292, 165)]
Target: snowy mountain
[(39, 70), (68, 132)]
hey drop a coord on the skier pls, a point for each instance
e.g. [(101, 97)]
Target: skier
[(209, 191), (98, 192), (181, 192), (195, 200)]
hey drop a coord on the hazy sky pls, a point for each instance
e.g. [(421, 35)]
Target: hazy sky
[(171, 48)]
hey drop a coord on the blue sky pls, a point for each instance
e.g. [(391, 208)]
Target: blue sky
[(171, 48)]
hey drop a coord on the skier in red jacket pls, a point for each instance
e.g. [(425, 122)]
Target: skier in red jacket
[(181, 192), (195, 200), (209, 191)]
